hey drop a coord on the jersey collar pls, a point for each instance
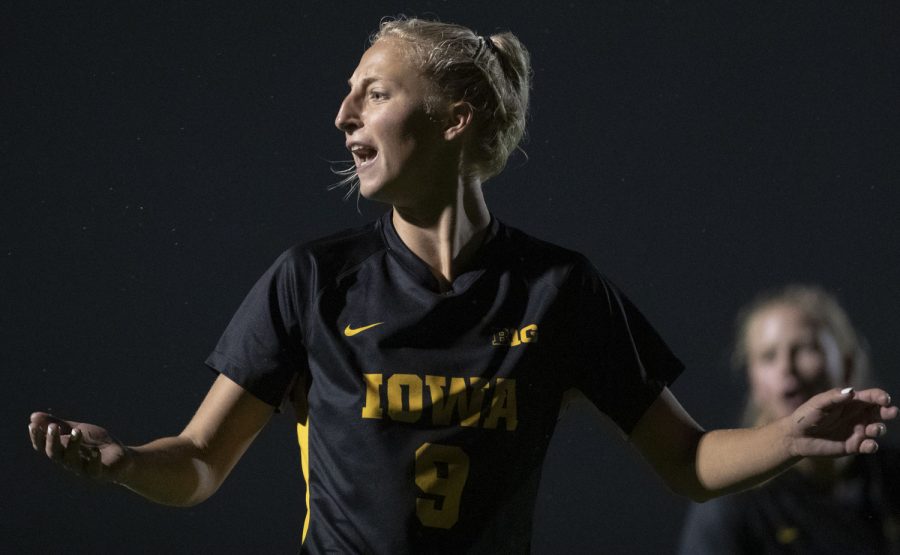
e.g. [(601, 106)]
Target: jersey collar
[(419, 270)]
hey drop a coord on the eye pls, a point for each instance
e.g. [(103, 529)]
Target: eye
[(808, 349), (767, 356), (377, 95)]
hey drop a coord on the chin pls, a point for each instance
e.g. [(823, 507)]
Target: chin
[(389, 192), (375, 194), (369, 188)]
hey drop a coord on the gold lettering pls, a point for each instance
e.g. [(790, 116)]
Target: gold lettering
[(372, 408), (503, 405), (395, 386), (529, 333), (515, 339), (453, 399), (441, 409), (470, 412), (441, 471), (443, 402)]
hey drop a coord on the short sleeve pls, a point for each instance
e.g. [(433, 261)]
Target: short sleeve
[(262, 347), (620, 362)]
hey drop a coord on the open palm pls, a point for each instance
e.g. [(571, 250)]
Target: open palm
[(840, 422), (83, 448)]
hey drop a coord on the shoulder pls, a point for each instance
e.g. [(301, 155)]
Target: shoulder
[(536, 257), (328, 258)]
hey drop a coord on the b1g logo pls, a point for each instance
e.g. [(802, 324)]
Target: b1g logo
[(511, 337)]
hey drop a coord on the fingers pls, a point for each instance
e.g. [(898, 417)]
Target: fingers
[(37, 436), (874, 396), (832, 398), (72, 455), (80, 458), (868, 446), (48, 433), (877, 429), (37, 417), (93, 466), (835, 397), (53, 446), (43, 419), (826, 402), (67, 450), (66, 443)]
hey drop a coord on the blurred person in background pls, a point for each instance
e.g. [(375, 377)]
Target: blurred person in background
[(791, 345)]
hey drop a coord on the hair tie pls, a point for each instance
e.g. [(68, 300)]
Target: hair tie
[(485, 43)]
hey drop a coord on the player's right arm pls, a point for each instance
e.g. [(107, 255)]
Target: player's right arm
[(181, 470)]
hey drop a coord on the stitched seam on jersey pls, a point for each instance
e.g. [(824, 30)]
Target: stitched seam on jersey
[(245, 375), (337, 279), (606, 289), (305, 328), (232, 363), (565, 278), (408, 267), (541, 244), (294, 306)]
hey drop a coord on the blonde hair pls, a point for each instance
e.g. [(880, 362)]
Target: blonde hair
[(824, 312), (492, 74)]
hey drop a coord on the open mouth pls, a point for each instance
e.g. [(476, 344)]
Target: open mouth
[(795, 397), (363, 155)]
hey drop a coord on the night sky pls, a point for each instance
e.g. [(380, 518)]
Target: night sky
[(155, 160)]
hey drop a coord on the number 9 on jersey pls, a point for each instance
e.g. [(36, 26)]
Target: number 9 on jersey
[(441, 473)]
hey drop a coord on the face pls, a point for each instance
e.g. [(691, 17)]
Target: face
[(396, 144), (789, 360)]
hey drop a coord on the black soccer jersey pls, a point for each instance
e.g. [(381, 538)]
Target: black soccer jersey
[(858, 513), (424, 417)]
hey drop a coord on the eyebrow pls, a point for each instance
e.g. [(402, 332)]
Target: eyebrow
[(369, 80), (364, 82)]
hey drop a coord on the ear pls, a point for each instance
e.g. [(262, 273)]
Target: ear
[(459, 118)]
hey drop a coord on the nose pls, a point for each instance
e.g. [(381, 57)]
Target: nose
[(787, 363), (347, 119)]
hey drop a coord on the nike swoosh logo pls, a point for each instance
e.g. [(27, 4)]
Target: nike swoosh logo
[(350, 332)]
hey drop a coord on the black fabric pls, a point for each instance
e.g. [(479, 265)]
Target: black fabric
[(526, 322), (792, 514)]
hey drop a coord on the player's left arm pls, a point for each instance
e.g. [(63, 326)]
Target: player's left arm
[(702, 465)]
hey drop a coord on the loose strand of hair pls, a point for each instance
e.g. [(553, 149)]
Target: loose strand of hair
[(349, 178)]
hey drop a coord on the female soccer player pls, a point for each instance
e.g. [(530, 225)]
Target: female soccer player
[(794, 344), (426, 355)]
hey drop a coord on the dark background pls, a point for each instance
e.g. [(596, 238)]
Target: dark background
[(156, 159)]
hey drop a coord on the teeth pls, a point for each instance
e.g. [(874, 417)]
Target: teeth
[(364, 153)]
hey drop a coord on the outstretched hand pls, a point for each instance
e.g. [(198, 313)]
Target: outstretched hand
[(84, 449), (840, 422)]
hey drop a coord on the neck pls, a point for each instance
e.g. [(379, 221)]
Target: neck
[(446, 234)]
